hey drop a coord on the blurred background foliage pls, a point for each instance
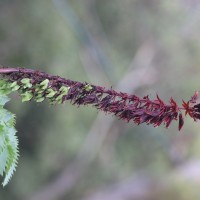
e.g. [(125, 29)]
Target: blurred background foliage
[(141, 46)]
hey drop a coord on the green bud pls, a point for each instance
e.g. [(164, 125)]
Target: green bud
[(39, 95), (29, 85), (15, 88), (39, 99), (26, 82), (27, 96), (50, 93), (40, 91), (59, 98), (64, 90), (88, 87), (37, 88), (13, 84), (44, 84)]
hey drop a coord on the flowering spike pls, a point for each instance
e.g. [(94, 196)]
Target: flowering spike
[(39, 86)]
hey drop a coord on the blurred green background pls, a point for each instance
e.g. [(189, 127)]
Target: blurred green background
[(137, 46)]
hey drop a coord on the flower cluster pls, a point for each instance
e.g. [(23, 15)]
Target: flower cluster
[(39, 86)]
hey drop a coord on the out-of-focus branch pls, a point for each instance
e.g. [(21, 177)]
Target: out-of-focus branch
[(74, 171), (91, 46), (90, 63)]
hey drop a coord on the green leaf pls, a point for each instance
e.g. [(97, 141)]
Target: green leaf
[(3, 159), (3, 99), (8, 141), (6, 117), (5, 87), (13, 154)]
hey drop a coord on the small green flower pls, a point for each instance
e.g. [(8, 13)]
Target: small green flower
[(64, 90), (59, 98), (26, 82), (50, 93), (26, 96), (40, 91), (41, 99), (37, 88), (44, 84), (14, 86), (88, 87)]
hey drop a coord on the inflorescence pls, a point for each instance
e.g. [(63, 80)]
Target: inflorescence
[(39, 86)]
